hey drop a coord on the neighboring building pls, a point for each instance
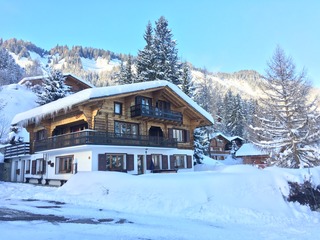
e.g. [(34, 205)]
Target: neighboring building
[(76, 84), (136, 128), (253, 155), (221, 146)]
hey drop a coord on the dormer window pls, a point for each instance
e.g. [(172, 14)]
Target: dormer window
[(117, 108)]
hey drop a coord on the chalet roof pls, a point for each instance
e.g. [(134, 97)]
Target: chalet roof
[(40, 77), (230, 139), (249, 149), (40, 112)]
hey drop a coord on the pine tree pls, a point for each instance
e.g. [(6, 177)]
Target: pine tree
[(54, 88), (10, 72), (167, 64), (289, 123), (186, 82), (126, 75), (200, 144), (146, 58)]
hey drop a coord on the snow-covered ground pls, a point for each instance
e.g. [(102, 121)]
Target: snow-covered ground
[(226, 202)]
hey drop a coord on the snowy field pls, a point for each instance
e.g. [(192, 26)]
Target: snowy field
[(224, 202)]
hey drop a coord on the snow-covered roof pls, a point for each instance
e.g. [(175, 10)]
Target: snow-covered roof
[(33, 78), (249, 149), (91, 93), (230, 139)]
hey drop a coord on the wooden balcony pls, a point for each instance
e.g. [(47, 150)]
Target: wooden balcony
[(145, 111), (90, 137), (15, 150)]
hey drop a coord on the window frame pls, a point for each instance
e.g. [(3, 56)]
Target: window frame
[(64, 164), (117, 105), (123, 128), (182, 162), (119, 157)]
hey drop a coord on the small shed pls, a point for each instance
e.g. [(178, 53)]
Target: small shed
[(252, 154)]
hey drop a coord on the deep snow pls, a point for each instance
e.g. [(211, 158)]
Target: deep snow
[(227, 202)]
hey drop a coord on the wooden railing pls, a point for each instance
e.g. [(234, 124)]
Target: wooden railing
[(90, 137), (141, 110), (18, 149)]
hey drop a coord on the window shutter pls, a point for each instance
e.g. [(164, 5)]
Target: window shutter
[(165, 162), (172, 161), (149, 159), (187, 136), (34, 167), (130, 162), (170, 133), (102, 162), (189, 161), (44, 166)]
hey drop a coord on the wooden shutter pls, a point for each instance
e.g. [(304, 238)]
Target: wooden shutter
[(102, 162), (172, 158), (130, 162), (187, 136), (165, 162), (170, 132), (149, 159), (34, 167), (189, 161)]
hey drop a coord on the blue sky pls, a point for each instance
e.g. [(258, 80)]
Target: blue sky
[(224, 36)]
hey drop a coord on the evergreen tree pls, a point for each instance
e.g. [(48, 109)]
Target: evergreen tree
[(167, 64), (126, 76), (200, 144), (146, 58), (54, 88), (186, 82), (289, 123), (10, 72)]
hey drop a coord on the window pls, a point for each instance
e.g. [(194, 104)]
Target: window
[(64, 164), (78, 128), (156, 159), (179, 161), (118, 108), (115, 162), (41, 134), (125, 128), (28, 166), (178, 134), (38, 166)]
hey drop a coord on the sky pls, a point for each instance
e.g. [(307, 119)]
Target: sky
[(221, 36)]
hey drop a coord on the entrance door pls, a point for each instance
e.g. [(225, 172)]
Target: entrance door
[(140, 164), (155, 135)]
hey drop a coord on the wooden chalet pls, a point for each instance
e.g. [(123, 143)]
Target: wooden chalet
[(220, 145), (75, 83), (251, 154), (138, 128)]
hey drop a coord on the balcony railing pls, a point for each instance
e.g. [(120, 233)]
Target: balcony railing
[(89, 137), (141, 110), (18, 149)]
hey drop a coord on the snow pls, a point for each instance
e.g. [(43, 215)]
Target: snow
[(99, 65), (227, 202), (1, 158), (249, 149), (67, 102)]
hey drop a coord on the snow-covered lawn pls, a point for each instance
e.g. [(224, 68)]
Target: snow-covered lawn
[(228, 202)]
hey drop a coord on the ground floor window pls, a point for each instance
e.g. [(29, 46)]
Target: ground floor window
[(156, 160), (38, 166), (179, 161), (115, 162), (28, 162), (64, 164)]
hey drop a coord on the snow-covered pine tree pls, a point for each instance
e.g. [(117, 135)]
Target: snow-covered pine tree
[(10, 72), (186, 82), (203, 92), (200, 144), (146, 58), (289, 122), (167, 65), (126, 75), (54, 87)]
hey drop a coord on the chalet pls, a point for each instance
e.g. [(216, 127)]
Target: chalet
[(253, 155), (75, 83), (221, 145), (137, 128)]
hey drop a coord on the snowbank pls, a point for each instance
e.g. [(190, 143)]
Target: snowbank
[(229, 194)]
